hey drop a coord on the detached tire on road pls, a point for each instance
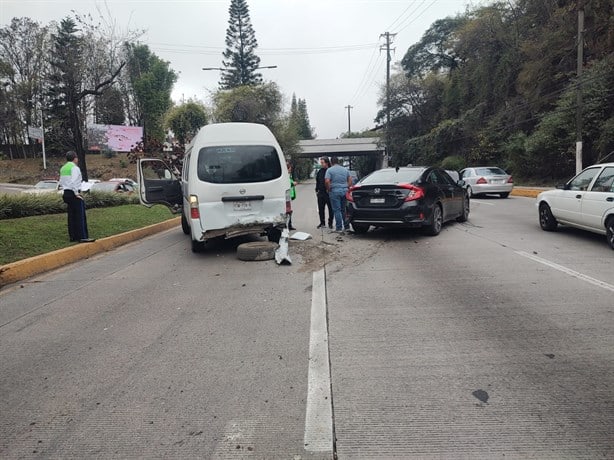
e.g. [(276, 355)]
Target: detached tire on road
[(257, 251)]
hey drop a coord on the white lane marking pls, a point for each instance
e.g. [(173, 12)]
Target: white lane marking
[(319, 415), (569, 271), (481, 202)]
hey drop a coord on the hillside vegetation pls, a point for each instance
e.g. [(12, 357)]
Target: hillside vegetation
[(497, 85)]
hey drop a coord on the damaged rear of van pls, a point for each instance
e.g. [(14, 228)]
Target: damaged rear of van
[(234, 182)]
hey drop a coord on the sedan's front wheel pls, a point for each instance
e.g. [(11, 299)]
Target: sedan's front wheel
[(434, 228), (546, 220), (609, 226)]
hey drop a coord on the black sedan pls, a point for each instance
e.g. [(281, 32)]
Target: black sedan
[(407, 197)]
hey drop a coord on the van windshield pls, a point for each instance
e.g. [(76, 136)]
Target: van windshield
[(238, 164)]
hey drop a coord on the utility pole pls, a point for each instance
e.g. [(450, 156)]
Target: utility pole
[(389, 37), (579, 87), (349, 107)]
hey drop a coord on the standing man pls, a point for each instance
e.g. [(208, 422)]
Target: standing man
[(70, 180), (338, 181), (322, 193)]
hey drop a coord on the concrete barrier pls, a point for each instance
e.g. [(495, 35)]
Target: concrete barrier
[(22, 269), (527, 192)]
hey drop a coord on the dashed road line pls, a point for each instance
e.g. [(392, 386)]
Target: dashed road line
[(568, 271), (319, 415)]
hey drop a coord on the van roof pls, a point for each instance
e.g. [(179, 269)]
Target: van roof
[(234, 133)]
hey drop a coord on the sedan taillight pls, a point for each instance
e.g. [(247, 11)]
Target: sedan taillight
[(348, 194), (510, 180), (481, 180), (415, 193)]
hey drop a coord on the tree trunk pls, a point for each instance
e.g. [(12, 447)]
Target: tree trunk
[(78, 137)]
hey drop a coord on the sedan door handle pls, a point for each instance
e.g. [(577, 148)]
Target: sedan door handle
[(578, 196), (610, 199)]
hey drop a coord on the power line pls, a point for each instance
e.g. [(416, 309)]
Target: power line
[(417, 17), (372, 63), (401, 15), (214, 50)]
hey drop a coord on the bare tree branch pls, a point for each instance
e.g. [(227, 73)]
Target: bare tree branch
[(97, 91)]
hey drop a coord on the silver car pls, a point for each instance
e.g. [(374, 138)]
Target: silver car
[(487, 179)]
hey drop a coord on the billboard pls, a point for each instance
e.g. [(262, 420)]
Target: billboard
[(118, 138)]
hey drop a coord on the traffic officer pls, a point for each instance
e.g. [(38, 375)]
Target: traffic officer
[(70, 181)]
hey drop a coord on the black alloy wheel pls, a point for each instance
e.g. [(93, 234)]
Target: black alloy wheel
[(434, 228), (609, 231), (469, 191), (546, 220), (464, 217), (504, 195)]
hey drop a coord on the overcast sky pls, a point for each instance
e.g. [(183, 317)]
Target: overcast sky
[(327, 51)]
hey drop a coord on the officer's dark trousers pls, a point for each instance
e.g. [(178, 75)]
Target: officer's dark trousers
[(77, 223), (323, 203)]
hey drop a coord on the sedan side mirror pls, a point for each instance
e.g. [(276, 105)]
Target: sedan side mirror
[(461, 183), (563, 186)]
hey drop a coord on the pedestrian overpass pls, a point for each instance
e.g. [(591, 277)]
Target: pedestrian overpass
[(354, 147)]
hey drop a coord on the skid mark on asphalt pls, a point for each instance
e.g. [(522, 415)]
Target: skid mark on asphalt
[(568, 271), (319, 415)]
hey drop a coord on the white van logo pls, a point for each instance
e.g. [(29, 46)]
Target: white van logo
[(242, 191)]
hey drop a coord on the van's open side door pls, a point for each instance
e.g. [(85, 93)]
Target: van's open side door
[(158, 184)]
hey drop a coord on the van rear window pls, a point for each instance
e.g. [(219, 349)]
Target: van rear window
[(238, 164)]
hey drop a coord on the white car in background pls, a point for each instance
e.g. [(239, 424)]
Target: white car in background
[(585, 202), (44, 187), (487, 179)]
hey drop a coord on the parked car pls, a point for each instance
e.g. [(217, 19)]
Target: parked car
[(112, 186), (487, 179), (585, 202), (234, 182), (45, 186), (125, 180), (87, 185), (407, 197)]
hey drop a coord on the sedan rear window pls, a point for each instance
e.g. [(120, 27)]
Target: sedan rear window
[(238, 164), (490, 172), (392, 176)]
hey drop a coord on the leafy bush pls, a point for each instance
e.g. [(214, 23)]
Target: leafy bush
[(26, 204), (453, 163)]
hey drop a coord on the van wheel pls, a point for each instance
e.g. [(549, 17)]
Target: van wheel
[(197, 246), (273, 235), (257, 251), (184, 224)]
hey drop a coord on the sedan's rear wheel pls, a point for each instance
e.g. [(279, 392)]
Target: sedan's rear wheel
[(546, 220), (434, 228), (504, 195), (609, 226), (360, 228), (464, 217)]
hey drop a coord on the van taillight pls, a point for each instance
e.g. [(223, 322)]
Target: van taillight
[(288, 202), (194, 211)]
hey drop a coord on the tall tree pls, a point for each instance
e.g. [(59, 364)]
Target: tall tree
[(68, 90), (152, 81), (240, 60), (185, 120)]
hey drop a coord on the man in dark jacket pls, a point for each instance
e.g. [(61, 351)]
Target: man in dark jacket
[(323, 198)]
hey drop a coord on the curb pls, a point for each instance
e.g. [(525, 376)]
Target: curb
[(526, 192), (22, 269)]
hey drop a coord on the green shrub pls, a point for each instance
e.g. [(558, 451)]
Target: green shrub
[(108, 153), (26, 204), (453, 163)]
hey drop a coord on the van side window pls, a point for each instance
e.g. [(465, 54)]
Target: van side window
[(238, 164), (186, 167)]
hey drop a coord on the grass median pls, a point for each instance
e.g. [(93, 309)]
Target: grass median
[(30, 236)]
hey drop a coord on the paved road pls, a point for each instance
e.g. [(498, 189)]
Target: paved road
[(490, 340), (11, 189)]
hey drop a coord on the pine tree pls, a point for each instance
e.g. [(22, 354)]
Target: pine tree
[(240, 60), (305, 131)]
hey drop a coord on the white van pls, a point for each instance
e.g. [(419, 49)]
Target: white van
[(234, 182)]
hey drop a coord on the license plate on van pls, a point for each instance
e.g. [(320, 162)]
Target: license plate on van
[(242, 206)]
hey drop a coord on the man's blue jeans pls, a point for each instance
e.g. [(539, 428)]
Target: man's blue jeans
[(337, 201)]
